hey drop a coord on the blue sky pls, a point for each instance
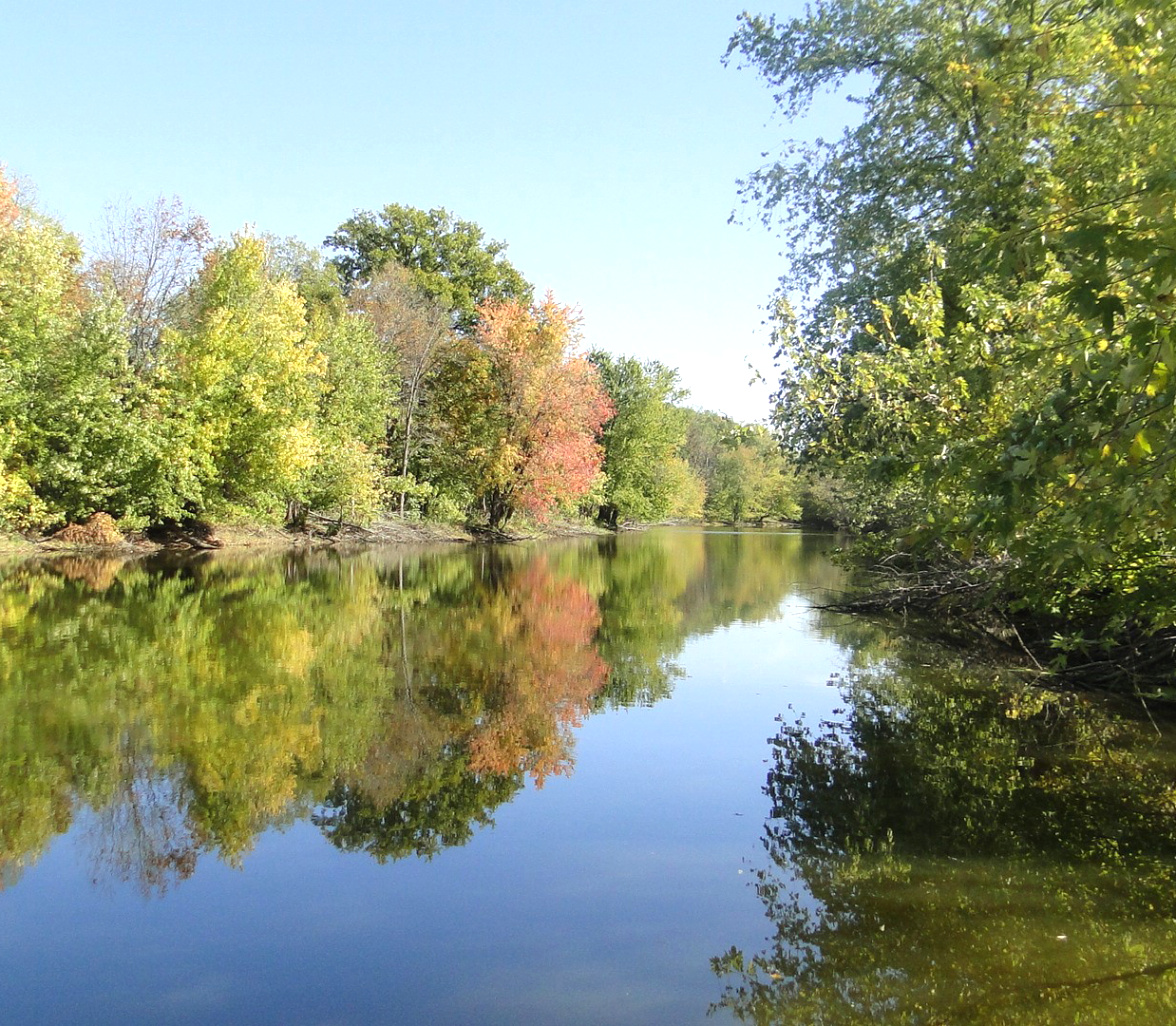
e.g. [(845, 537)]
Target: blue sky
[(601, 140)]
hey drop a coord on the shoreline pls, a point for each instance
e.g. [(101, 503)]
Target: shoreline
[(243, 536), (236, 537)]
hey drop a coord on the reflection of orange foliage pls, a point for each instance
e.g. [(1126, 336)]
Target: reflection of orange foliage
[(96, 573), (548, 671)]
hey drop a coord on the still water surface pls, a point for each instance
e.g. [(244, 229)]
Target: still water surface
[(634, 780)]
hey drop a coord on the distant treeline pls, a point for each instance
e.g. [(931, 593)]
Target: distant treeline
[(170, 377)]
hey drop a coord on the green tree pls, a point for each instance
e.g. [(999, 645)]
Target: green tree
[(645, 475), (449, 259), (316, 279), (992, 250), (746, 475), (75, 423), (356, 390), (751, 479), (240, 387)]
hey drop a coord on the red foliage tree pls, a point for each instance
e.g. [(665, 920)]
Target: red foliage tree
[(525, 410)]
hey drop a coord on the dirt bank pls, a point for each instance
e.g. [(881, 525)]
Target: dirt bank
[(236, 536)]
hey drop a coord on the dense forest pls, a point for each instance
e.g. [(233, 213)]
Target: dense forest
[(169, 378), (974, 332)]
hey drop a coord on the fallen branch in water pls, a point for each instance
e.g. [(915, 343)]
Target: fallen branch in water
[(965, 603)]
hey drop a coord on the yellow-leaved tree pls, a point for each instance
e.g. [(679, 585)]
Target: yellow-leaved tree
[(239, 382)]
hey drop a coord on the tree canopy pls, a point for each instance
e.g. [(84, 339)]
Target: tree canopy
[(978, 307), (449, 259), (646, 477), (170, 378), (523, 410)]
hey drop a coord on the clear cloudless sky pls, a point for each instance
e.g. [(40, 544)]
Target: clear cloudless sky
[(602, 141)]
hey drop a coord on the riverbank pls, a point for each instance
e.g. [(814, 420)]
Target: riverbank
[(974, 603), (236, 536)]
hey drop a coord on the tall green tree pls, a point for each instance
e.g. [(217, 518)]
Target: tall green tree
[(984, 277), (355, 389), (451, 260), (240, 387), (75, 435)]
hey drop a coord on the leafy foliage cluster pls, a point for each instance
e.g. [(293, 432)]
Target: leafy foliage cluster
[(170, 378), (977, 320), (665, 461)]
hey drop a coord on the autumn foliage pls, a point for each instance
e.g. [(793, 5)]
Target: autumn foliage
[(171, 378), (8, 205), (524, 410), (548, 671)]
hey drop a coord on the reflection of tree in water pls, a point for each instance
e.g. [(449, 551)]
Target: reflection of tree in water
[(442, 809), (952, 850), (402, 696), (663, 588), (141, 835), (507, 664), (207, 701)]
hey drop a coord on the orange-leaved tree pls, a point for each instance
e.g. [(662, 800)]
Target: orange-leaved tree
[(522, 411)]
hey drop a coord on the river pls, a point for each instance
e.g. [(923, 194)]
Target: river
[(631, 780)]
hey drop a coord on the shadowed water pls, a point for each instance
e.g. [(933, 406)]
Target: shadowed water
[(549, 783)]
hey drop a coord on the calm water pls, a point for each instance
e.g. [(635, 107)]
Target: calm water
[(637, 780)]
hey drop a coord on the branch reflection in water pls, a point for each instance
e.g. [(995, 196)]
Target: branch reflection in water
[(955, 847)]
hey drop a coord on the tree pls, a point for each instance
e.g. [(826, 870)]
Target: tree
[(316, 279), (240, 387), (751, 479), (412, 329), (645, 475), (148, 256), (355, 390), (449, 259), (74, 437), (745, 475), (992, 251), (355, 386), (520, 411)]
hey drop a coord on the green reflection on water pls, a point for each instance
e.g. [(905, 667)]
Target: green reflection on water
[(952, 847), (394, 697)]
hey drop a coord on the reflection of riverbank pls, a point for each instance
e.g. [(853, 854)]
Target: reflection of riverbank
[(953, 846), (395, 695)]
